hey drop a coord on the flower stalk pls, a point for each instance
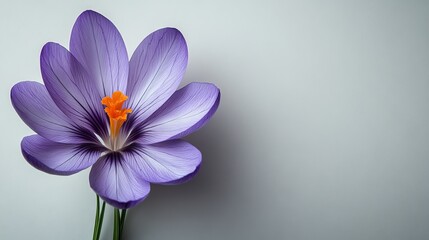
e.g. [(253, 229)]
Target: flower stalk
[(119, 222), (122, 223), (99, 216)]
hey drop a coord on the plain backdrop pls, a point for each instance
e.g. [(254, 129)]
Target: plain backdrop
[(322, 131)]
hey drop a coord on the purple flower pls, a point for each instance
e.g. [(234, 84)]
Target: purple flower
[(123, 118)]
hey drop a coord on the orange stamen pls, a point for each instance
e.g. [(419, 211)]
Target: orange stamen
[(117, 114)]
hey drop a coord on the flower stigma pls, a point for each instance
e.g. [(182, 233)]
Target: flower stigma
[(117, 115)]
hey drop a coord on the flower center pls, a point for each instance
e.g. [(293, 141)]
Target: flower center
[(117, 114)]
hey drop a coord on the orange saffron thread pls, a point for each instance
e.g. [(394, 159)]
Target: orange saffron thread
[(117, 114)]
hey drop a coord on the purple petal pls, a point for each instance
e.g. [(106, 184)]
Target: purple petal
[(72, 89), (164, 162), (58, 158), (115, 181), (98, 45), (156, 69), (185, 112), (36, 108)]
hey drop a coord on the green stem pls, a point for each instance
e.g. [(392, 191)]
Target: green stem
[(100, 223), (122, 223), (116, 230), (97, 218)]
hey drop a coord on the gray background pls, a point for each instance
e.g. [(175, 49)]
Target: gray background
[(322, 132)]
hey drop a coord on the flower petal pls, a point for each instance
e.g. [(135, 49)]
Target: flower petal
[(156, 69), (36, 108), (72, 89), (98, 45), (115, 181), (58, 158), (185, 112), (165, 162)]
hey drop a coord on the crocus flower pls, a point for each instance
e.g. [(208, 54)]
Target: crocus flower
[(123, 117)]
